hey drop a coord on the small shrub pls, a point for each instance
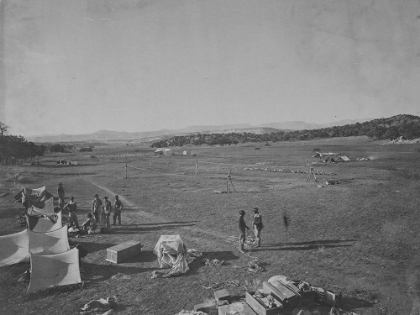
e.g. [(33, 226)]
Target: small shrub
[(410, 174)]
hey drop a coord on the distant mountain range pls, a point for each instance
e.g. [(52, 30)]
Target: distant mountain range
[(106, 135)]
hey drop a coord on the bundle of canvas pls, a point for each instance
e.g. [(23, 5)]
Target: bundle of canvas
[(167, 249), (171, 252)]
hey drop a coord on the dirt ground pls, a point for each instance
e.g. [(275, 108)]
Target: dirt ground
[(359, 237)]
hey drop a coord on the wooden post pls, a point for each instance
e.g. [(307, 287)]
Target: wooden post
[(196, 167), (126, 168)]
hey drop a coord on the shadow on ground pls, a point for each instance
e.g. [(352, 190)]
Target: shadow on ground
[(310, 245), (92, 247), (139, 228), (99, 273), (350, 303)]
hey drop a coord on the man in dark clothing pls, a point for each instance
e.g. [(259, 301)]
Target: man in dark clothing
[(118, 205), (96, 207), (242, 227), (71, 207), (257, 226), (60, 192), (107, 211)]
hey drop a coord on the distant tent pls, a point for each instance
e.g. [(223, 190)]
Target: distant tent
[(185, 152), (163, 151), (14, 248), (49, 271), (159, 151), (343, 158)]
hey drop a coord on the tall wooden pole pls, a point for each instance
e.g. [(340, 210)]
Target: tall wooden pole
[(2, 62), (126, 168), (196, 167)]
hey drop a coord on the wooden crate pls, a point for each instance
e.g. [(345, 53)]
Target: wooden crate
[(259, 308), (122, 252), (283, 293), (242, 308)]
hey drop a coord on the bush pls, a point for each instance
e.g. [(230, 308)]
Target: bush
[(86, 149)]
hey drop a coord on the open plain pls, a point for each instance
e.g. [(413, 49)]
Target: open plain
[(359, 237)]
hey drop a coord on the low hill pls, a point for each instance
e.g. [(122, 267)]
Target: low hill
[(104, 135), (405, 126)]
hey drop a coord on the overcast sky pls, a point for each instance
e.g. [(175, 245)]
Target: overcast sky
[(132, 65)]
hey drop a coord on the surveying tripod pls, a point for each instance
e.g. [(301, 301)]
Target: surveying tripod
[(311, 173), (229, 183)]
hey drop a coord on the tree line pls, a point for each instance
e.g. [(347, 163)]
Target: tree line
[(406, 126), (14, 149)]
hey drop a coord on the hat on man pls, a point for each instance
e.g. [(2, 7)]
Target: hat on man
[(96, 195), (255, 209), (71, 198), (60, 184), (242, 212), (116, 197), (106, 197)]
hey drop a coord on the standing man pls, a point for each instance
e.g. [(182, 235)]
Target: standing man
[(96, 207), (257, 226), (107, 211), (60, 192), (117, 210), (242, 227), (71, 207)]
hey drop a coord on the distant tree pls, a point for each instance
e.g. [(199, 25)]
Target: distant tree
[(3, 129)]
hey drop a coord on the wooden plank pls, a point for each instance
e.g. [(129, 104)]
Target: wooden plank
[(220, 295), (279, 290), (259, 308), (240, 308)]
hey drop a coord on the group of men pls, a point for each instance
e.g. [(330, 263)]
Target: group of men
[(257, 226), (100, 212)]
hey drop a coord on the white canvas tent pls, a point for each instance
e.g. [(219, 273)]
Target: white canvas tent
[(54, 242), (14, 248), (49, 271), (44, 224)]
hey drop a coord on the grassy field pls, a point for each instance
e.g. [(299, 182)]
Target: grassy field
[(360, 237)]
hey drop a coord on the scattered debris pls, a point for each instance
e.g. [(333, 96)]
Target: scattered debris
[(213, 262), (185, 312), (401, 140), (332, 182), (278, 170), (255, 265), (121, 276), (100, 306), (220, 285)]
